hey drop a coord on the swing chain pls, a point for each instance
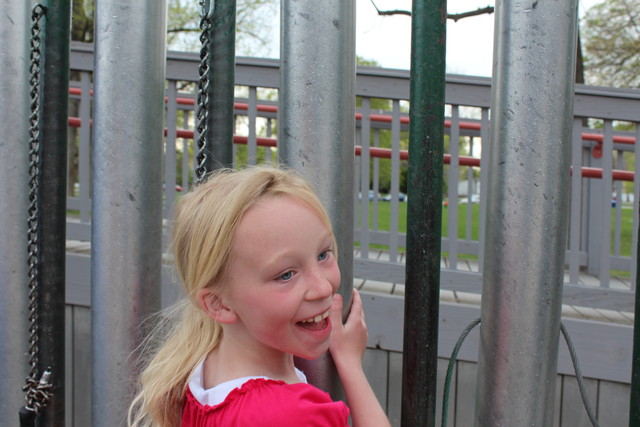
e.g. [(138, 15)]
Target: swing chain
[(202, 113), (38, 390)]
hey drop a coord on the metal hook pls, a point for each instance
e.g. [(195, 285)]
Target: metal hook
[(206, 8)]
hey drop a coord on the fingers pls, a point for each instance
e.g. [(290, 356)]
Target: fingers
[(356, 312), (356, 307), (356, 301)]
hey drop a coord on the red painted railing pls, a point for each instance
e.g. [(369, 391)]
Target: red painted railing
[(386, 153)]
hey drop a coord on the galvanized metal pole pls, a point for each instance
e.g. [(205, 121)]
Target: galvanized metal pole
[(316, 126), (221, 85), (14, 162), (634, 412), (127, 194), (528, 201), (424, 212), (53, 203)]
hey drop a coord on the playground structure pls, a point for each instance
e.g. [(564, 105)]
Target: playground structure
[(603, 304), (471, 94)]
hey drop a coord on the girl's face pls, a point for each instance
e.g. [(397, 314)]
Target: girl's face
[(281, 280)]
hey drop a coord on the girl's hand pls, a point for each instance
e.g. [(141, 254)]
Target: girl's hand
[(347, 346), (349, 340)]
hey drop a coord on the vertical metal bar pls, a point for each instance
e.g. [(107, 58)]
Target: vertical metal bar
[(424, 213), (357, 216), (634, 412), (127, 194), (84, 148), (252, 112), (53, 202), (365, 159), (193, 158), (484, 185), (357, 234), (470, 192), (317, 86), (221, 85), (170, 149), (636, 210), (454, 173), (605, 205), (593, 230), (395, 181), (14, 162), (618, 202), (528, 198), (576, 202), (376, 177)]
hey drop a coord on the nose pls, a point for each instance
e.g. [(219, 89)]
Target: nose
[(321, 284)]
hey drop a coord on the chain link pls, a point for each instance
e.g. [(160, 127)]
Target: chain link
[(38, 390), (202, 113)]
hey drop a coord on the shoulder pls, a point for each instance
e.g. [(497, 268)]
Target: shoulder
[(267, 402)]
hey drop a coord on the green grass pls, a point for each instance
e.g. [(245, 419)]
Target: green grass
[(626, 230), (384, 218), (384, 215)]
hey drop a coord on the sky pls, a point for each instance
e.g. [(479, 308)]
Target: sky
[(387, 39)]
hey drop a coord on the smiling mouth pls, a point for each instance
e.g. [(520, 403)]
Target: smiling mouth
[(315, 323)]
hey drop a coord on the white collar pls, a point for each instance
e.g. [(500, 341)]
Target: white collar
[(216, 395)]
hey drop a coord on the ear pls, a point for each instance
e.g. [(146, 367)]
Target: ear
[(215, 306)]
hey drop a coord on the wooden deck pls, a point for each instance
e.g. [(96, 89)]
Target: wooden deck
[(452, 296)]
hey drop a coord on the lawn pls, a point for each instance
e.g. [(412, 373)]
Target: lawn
[(384, 215)]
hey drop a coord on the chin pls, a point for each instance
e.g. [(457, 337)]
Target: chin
[(313, 355)]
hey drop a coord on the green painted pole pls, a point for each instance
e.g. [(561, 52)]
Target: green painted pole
[(634, 414), (53, 203), (221, 85), (424, 212)]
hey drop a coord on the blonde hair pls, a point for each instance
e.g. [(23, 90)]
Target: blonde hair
[(204, 227)]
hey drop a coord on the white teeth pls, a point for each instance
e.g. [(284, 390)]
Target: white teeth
[(318, 318)]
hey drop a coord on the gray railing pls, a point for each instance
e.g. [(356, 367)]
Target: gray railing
[(600, 254)]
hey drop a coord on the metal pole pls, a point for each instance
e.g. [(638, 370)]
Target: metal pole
[(14, 162), (127, 194), (634, 413), (221, 85), (528, 198), (53, 203), (316, 128), (424, 212)]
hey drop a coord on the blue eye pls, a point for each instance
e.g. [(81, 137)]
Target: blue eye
[(324, 255), (286, 276)]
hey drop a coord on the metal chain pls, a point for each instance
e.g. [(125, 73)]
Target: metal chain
[(38, 390), (202, 113)]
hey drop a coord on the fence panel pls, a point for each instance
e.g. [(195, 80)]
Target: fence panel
[(600, 241)]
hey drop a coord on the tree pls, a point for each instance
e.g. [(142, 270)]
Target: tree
[(611, 38), (253, 20)]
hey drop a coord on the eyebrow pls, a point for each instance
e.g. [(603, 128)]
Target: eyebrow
[(282, 257)]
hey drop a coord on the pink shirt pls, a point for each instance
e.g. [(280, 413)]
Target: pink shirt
[(258, 401)]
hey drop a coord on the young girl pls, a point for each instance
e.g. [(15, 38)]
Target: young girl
[(256, 255)]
